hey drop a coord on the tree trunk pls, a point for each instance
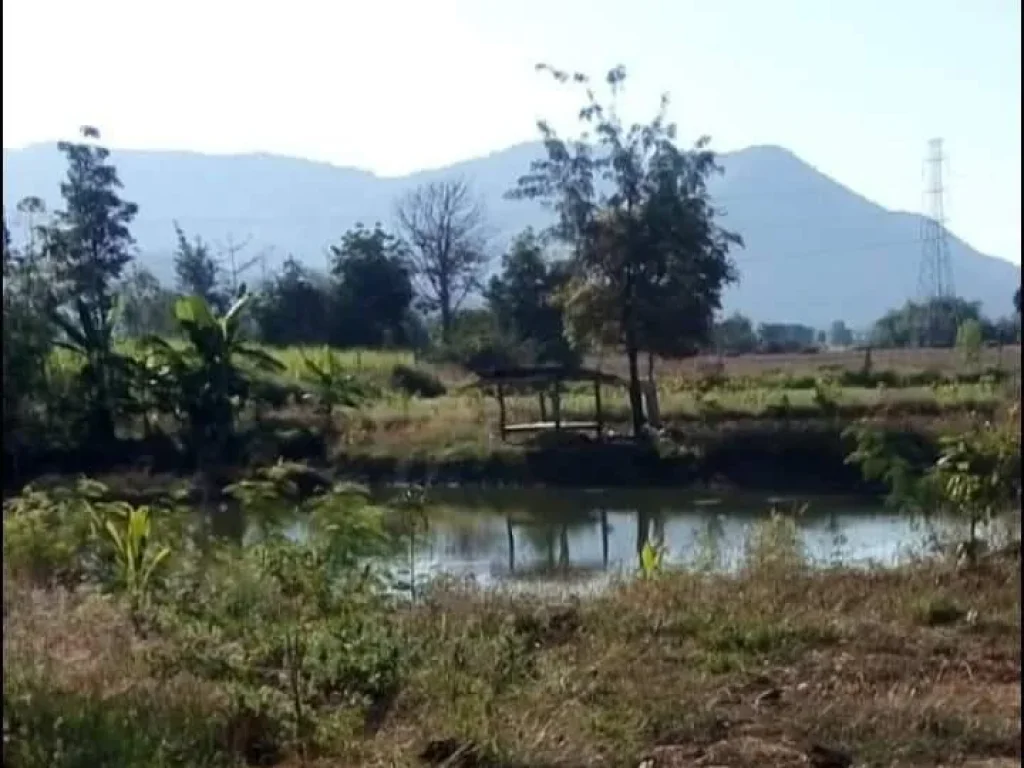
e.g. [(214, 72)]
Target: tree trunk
[(445, 302), (636, 402)]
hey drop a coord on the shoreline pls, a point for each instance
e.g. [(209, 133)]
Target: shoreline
[(807, 457)]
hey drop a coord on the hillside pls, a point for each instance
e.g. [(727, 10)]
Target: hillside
[(815, 250)]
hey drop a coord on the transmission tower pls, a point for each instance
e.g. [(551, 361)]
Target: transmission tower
[(935, 279)]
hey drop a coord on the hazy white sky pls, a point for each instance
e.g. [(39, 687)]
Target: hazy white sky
[(855, 87)]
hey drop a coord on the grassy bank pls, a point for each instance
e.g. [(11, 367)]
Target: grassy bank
[(916, 667), (740, 427), (808, 455)]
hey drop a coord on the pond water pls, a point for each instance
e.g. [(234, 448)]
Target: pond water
[(578, 540)]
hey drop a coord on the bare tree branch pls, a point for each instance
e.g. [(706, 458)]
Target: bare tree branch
[(444, 225)]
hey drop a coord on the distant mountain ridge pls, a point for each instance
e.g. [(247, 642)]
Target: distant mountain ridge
[(815, 251)]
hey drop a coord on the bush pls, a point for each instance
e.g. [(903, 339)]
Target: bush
[(416, 382)]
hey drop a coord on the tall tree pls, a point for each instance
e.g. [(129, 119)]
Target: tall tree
[(147, 307), (735, 334), (636, 209), (374, 287), (294, 307), (197, 272), (935, 322), (524, 300), (88, 244), (445, 227)]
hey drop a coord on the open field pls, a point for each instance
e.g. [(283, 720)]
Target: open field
[(897, 360), (778, 666)]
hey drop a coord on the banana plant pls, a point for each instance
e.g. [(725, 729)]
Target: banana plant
[(104, 376), (335, 386), (209, 385), (127, 529), (652, 558)]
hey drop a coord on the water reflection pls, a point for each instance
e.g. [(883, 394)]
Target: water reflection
[(560, 536)]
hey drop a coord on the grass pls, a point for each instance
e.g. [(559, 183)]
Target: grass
[(766, 394), (897, 360), (913, 666)]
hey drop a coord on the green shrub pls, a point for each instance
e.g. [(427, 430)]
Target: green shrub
[(416, 382), (49, 728)]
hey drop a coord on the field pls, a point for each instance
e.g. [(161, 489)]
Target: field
[(898, 360)]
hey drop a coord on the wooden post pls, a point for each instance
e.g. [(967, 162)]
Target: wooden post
[(556, 404), (543, 405), (501, 410), (599, 415)]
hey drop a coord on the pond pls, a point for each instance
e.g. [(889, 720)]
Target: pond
[(579, 540)]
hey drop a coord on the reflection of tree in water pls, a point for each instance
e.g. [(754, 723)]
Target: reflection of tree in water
[(550, 540), (707, 546)]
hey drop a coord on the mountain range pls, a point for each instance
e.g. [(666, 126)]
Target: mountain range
[(815, 251)]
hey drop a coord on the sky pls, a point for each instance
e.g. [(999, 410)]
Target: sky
[(854, 87)]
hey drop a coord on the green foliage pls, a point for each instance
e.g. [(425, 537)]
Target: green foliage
[(978, 473), (27, 338), (146, 306), (649, 252), (652, 556), (49, 535), (417, 382), (44, 727), (197, 272), (735, 335), (374, 291), (295, 307), (976, 476), (776, 543), (203, 383), (930, 324), (137, 560), (969, 340), (333, 385), (523, 299), (297, 629)]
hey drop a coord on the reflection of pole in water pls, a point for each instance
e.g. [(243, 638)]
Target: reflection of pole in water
[(563, 548), (605, 531), (511, 545), (659, 526)]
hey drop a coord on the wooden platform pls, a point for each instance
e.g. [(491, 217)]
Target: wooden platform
[(544, 426)]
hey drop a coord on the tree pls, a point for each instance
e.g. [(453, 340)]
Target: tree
[(206, 385), (934, 322), (198, 273), (146, 306), (969, 340), (87, 247), (374, 290), (1016, 299), (839, 335), (524, 301), (444, 225), (735, 335), (648, 249), (294, 307)]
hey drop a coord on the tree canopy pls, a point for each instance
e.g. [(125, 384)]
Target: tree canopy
[(648, 253)]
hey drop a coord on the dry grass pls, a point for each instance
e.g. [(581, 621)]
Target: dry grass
[(733, 671), (900, 360)]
